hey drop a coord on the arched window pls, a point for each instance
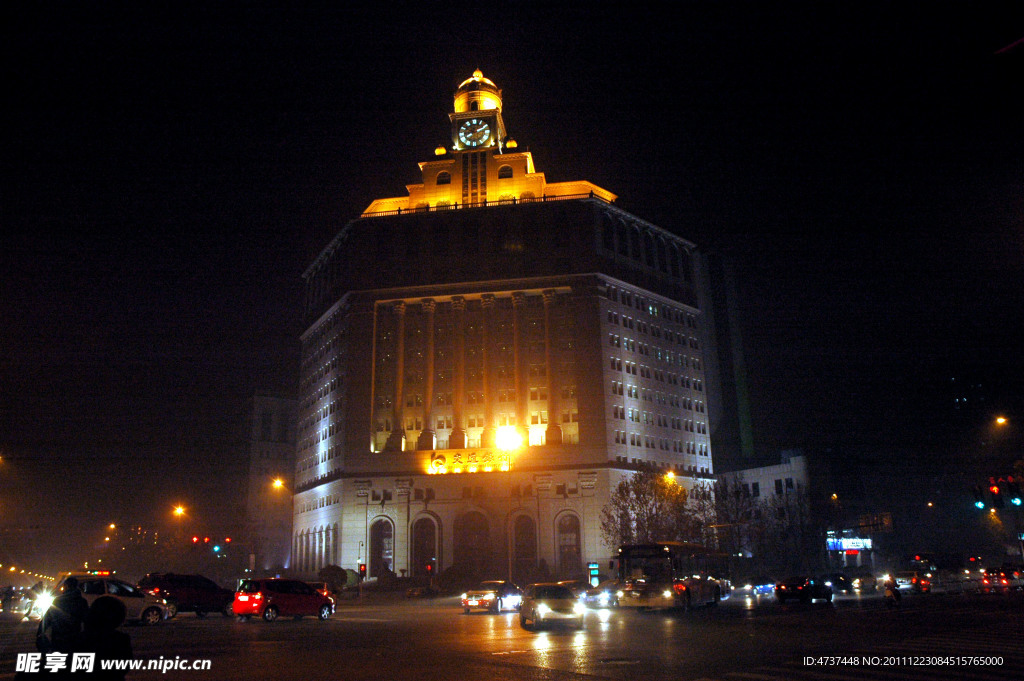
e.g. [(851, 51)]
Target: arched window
[(568, 546), (472, 549), (634, 244), (607, 233), (622, 238), (505, 172), (382, 548), (524, 543), (424, 546), (444, 177), (648, 249)]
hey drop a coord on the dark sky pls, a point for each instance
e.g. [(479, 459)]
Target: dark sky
[(169, 174)]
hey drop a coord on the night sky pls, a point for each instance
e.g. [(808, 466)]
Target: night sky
[(170, 173)]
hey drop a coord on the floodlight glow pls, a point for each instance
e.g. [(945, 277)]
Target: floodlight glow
[(508, 438)]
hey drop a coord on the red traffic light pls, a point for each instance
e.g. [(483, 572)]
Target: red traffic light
[(994, 489), (206, 540), (227, 540), (195, 540), (362, 568)]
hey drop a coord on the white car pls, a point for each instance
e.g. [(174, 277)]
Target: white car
[(141, 606), (545, 603)]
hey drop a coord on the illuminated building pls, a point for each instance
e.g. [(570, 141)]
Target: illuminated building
[(489, 299), (271, 460)]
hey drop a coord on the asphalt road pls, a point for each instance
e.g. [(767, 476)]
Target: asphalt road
[(976, 636)]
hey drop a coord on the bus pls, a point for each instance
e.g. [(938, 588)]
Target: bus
[(669, 574)]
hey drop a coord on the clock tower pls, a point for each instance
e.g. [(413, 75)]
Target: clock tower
[(476, 121), (481, 166)]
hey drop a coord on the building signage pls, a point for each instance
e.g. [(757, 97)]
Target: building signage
[(469, 461), (848, 544)]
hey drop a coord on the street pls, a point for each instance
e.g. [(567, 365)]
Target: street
[(929, 637)]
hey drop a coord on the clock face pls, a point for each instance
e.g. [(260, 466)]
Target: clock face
[(474, 132)]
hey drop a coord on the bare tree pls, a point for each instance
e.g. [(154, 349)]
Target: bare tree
[(646, 507)]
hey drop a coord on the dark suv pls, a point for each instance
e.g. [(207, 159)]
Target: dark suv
[(188, 593)]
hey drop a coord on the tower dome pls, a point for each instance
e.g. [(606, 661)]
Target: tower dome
[(477, 93)]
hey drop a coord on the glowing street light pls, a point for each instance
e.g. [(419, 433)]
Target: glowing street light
[(179, 511)]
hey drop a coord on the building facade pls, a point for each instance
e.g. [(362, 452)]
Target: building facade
[(485, 359), (269, 481)]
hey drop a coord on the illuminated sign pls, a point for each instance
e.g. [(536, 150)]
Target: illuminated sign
[(469, 461), (848, 544)]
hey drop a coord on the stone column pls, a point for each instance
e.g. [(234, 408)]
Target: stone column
[(428, 439), (458, 436), (522, 390), (553, 435), (396, 441), (488, 436)]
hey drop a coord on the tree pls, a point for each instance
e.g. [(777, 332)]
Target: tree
[(646, 507)]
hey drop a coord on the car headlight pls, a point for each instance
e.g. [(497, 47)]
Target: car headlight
[(666, 594), (579, 608), (543, 609), (603, 598), (44, 601), (464, 596)]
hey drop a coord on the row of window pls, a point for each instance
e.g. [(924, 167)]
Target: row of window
[(652, 308)]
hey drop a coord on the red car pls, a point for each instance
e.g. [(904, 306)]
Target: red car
[(273, 598)]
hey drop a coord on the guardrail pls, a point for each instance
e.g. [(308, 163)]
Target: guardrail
[(484, 204)]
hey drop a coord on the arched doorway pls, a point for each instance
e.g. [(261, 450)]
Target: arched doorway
[(382, 548), (524, 549), (568, 544), (472, 549), (424, 547)]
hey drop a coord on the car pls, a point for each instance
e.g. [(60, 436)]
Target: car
[(546, 603), (273, 598), (139, 605), (493, 595), (865, 581), (421, 592), (802, 588), (604, 595), (839, 582), (1002, 579), (577, 586), (188, 593), (323, 587), (913, 581)]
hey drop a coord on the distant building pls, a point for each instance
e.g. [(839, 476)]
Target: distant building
[(268, 492), (489, 306), (732, 436)]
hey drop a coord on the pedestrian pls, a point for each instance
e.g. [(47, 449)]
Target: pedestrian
[(60, 629), (102, 637)]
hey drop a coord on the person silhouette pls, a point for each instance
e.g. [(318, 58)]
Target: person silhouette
[(61, 625), (102, 637)]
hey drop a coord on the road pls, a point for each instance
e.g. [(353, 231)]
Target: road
[(740, 640)]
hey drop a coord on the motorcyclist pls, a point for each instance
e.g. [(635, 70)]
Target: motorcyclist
[(892, 591)]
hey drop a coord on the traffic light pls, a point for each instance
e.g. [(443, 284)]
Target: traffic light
[(1013, 492), (979, 497), (997, 495), (429, 567), (362, 570)]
